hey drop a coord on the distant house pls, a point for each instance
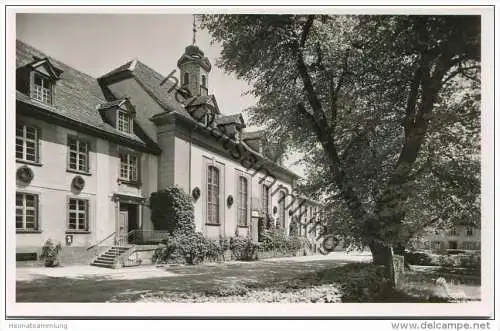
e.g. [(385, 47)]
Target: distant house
[(89, 153), (462, 237)]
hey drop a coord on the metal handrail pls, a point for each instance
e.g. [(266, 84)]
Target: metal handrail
[(101, 241)]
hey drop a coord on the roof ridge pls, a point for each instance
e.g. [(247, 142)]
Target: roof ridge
[(52, 59)]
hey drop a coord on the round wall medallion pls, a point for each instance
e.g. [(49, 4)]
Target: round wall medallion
[(24, 174), (78, 183), (230, 200), (196, 193)]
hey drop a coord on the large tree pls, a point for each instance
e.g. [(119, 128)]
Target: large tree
[(386, 109)]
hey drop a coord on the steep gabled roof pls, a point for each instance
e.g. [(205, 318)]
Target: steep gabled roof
[(112, 104), (77, 95), (161, 90), (230, 119)]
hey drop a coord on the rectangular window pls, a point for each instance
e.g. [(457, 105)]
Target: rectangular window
[(470, 232), (243, 201), (265, 199), (453, 232), (470, 245), (78, 215), (123, 121), (436, 245), (282, 212), (26, 212), (213, 199), (41, 89), (78, 155), (26, 143), (129, 167)]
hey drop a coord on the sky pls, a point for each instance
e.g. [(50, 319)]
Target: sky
[(97, 43)]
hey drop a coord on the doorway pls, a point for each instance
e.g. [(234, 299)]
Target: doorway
[(127, 221)]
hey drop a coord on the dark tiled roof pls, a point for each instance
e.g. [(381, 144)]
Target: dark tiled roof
[(162, 91), (77, 95), (199, 100), (111, 104), (121, 68), (228, 119)]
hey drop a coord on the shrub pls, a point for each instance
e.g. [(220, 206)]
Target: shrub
[(214, 249), (172, 210), (223, 243), (470, 260), (51, 253), (360, 282), (278, 241), (191, 248), (243, 248), (168, 251), (455, 251)]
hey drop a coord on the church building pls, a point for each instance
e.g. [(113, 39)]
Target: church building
[(90, 151)]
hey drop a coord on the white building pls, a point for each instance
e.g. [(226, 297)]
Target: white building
[(89, 153)]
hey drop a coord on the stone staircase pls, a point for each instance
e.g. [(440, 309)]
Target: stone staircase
[(110, 258)]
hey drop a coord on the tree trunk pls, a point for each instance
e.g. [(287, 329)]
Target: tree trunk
[(382, 255)]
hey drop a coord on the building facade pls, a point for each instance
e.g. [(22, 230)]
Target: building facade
[(461, 237), (89, 153)]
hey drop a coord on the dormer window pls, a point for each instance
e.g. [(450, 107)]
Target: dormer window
[(124, 123), (38, 80), (42, 88), (119, 114)]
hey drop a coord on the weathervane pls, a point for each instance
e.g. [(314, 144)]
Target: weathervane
[(194, 29)]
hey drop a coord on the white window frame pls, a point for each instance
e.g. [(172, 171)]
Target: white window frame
[(123, 121), (266, 201), (129, 170), (77, 166), (24, 141), (242, 201), (42, 93), (24, 209), (213, 196), (282, 208), (81, 215)]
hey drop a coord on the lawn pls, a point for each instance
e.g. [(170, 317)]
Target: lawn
[(208, 278), (258, 281)]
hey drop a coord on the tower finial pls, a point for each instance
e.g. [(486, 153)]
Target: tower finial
[(194, 29)]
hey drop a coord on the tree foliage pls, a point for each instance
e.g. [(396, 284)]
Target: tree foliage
[(385, 109)]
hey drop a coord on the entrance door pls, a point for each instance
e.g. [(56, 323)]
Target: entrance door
[(123, 226)]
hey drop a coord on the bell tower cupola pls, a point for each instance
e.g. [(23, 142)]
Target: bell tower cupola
[(194, 67)]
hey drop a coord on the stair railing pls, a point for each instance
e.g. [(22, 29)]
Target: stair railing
[(124, 240), (97, 244)]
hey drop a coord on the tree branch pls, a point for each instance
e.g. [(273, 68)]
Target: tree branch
[(324, 131)]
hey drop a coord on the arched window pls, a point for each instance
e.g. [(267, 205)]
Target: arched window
[(213, 198), (203, 80), (186, 78), (243, 201), (282, 213)]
